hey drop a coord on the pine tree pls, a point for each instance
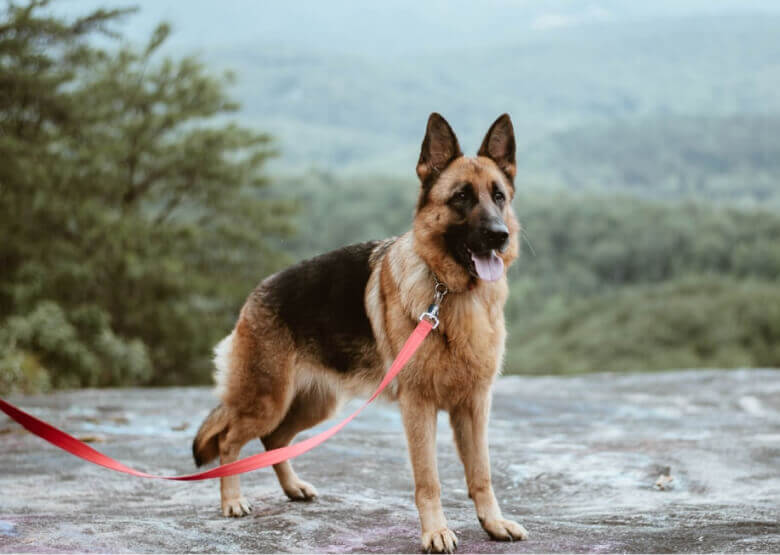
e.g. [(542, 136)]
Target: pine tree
[(134, 219)]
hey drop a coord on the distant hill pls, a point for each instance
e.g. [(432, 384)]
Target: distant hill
[(348, 112), (733, 159), (667, 98)]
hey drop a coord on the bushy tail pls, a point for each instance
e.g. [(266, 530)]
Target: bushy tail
[(205, 446)]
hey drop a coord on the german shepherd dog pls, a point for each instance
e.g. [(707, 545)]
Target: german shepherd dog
[(318, 333)]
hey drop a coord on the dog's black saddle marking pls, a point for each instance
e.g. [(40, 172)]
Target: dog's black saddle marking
[(321, 300)]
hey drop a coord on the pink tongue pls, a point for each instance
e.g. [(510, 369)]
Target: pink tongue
[(489, 266)]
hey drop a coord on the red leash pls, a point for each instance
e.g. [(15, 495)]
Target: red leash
[(82, 450)]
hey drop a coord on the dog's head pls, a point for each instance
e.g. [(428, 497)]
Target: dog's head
[(464, 227)]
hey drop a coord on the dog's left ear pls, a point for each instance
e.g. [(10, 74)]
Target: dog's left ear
[(499, 145)]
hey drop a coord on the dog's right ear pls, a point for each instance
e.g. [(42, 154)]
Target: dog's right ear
[(439, 148)]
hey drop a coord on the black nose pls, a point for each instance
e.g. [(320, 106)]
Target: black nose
[(494, 234)]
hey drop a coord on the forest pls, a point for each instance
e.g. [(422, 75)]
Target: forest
[(139, 206), (605, 281)]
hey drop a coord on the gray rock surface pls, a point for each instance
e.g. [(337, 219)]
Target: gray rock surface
[(575, 460)]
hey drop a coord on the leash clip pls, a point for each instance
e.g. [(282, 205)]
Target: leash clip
[(432, 314)]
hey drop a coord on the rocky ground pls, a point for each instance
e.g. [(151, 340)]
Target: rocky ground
[(667, 462)]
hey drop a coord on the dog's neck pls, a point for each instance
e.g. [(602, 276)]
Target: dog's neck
[(416, 274), (414, 279), (439, 263)]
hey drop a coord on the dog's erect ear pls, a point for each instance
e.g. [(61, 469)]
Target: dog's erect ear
[(439, 148), (499, 145)]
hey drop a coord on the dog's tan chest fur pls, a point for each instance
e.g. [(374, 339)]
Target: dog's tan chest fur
[(464, 353)]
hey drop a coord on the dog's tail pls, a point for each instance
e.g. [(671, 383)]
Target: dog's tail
[(205, 446)]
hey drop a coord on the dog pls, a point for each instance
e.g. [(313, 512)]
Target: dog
[(325, 330)]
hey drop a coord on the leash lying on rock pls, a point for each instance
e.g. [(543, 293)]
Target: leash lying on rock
[(428, 321)]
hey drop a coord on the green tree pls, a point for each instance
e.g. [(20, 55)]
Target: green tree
[(134, 215)]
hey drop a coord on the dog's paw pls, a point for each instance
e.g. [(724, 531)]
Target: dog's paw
[(300, 491), (236, 507), (505, 530), (439, 541)]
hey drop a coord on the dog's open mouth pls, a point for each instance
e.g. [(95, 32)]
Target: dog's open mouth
[(487, 266)]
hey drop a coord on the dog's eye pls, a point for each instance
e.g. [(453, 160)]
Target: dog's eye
[(462, 199), (462, 196), (498, 197)]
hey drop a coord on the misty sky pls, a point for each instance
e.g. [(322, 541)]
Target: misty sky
[(401, 27)]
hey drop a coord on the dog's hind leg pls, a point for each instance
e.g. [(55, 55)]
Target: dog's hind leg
[(242, 428), (256, 389), (309, 408)]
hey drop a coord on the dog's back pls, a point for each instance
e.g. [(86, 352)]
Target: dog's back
[(321, 302)]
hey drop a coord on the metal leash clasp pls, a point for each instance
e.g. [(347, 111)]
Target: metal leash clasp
[(432, 314)]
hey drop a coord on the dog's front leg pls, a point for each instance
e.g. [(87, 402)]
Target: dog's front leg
[(419, 416), (469, 423)]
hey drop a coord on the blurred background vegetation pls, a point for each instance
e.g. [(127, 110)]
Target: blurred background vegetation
[(151, 175)]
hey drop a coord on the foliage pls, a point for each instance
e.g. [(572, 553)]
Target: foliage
[(338, 210), (697, 322), (137, 223), (586, 245), (81, 342)]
